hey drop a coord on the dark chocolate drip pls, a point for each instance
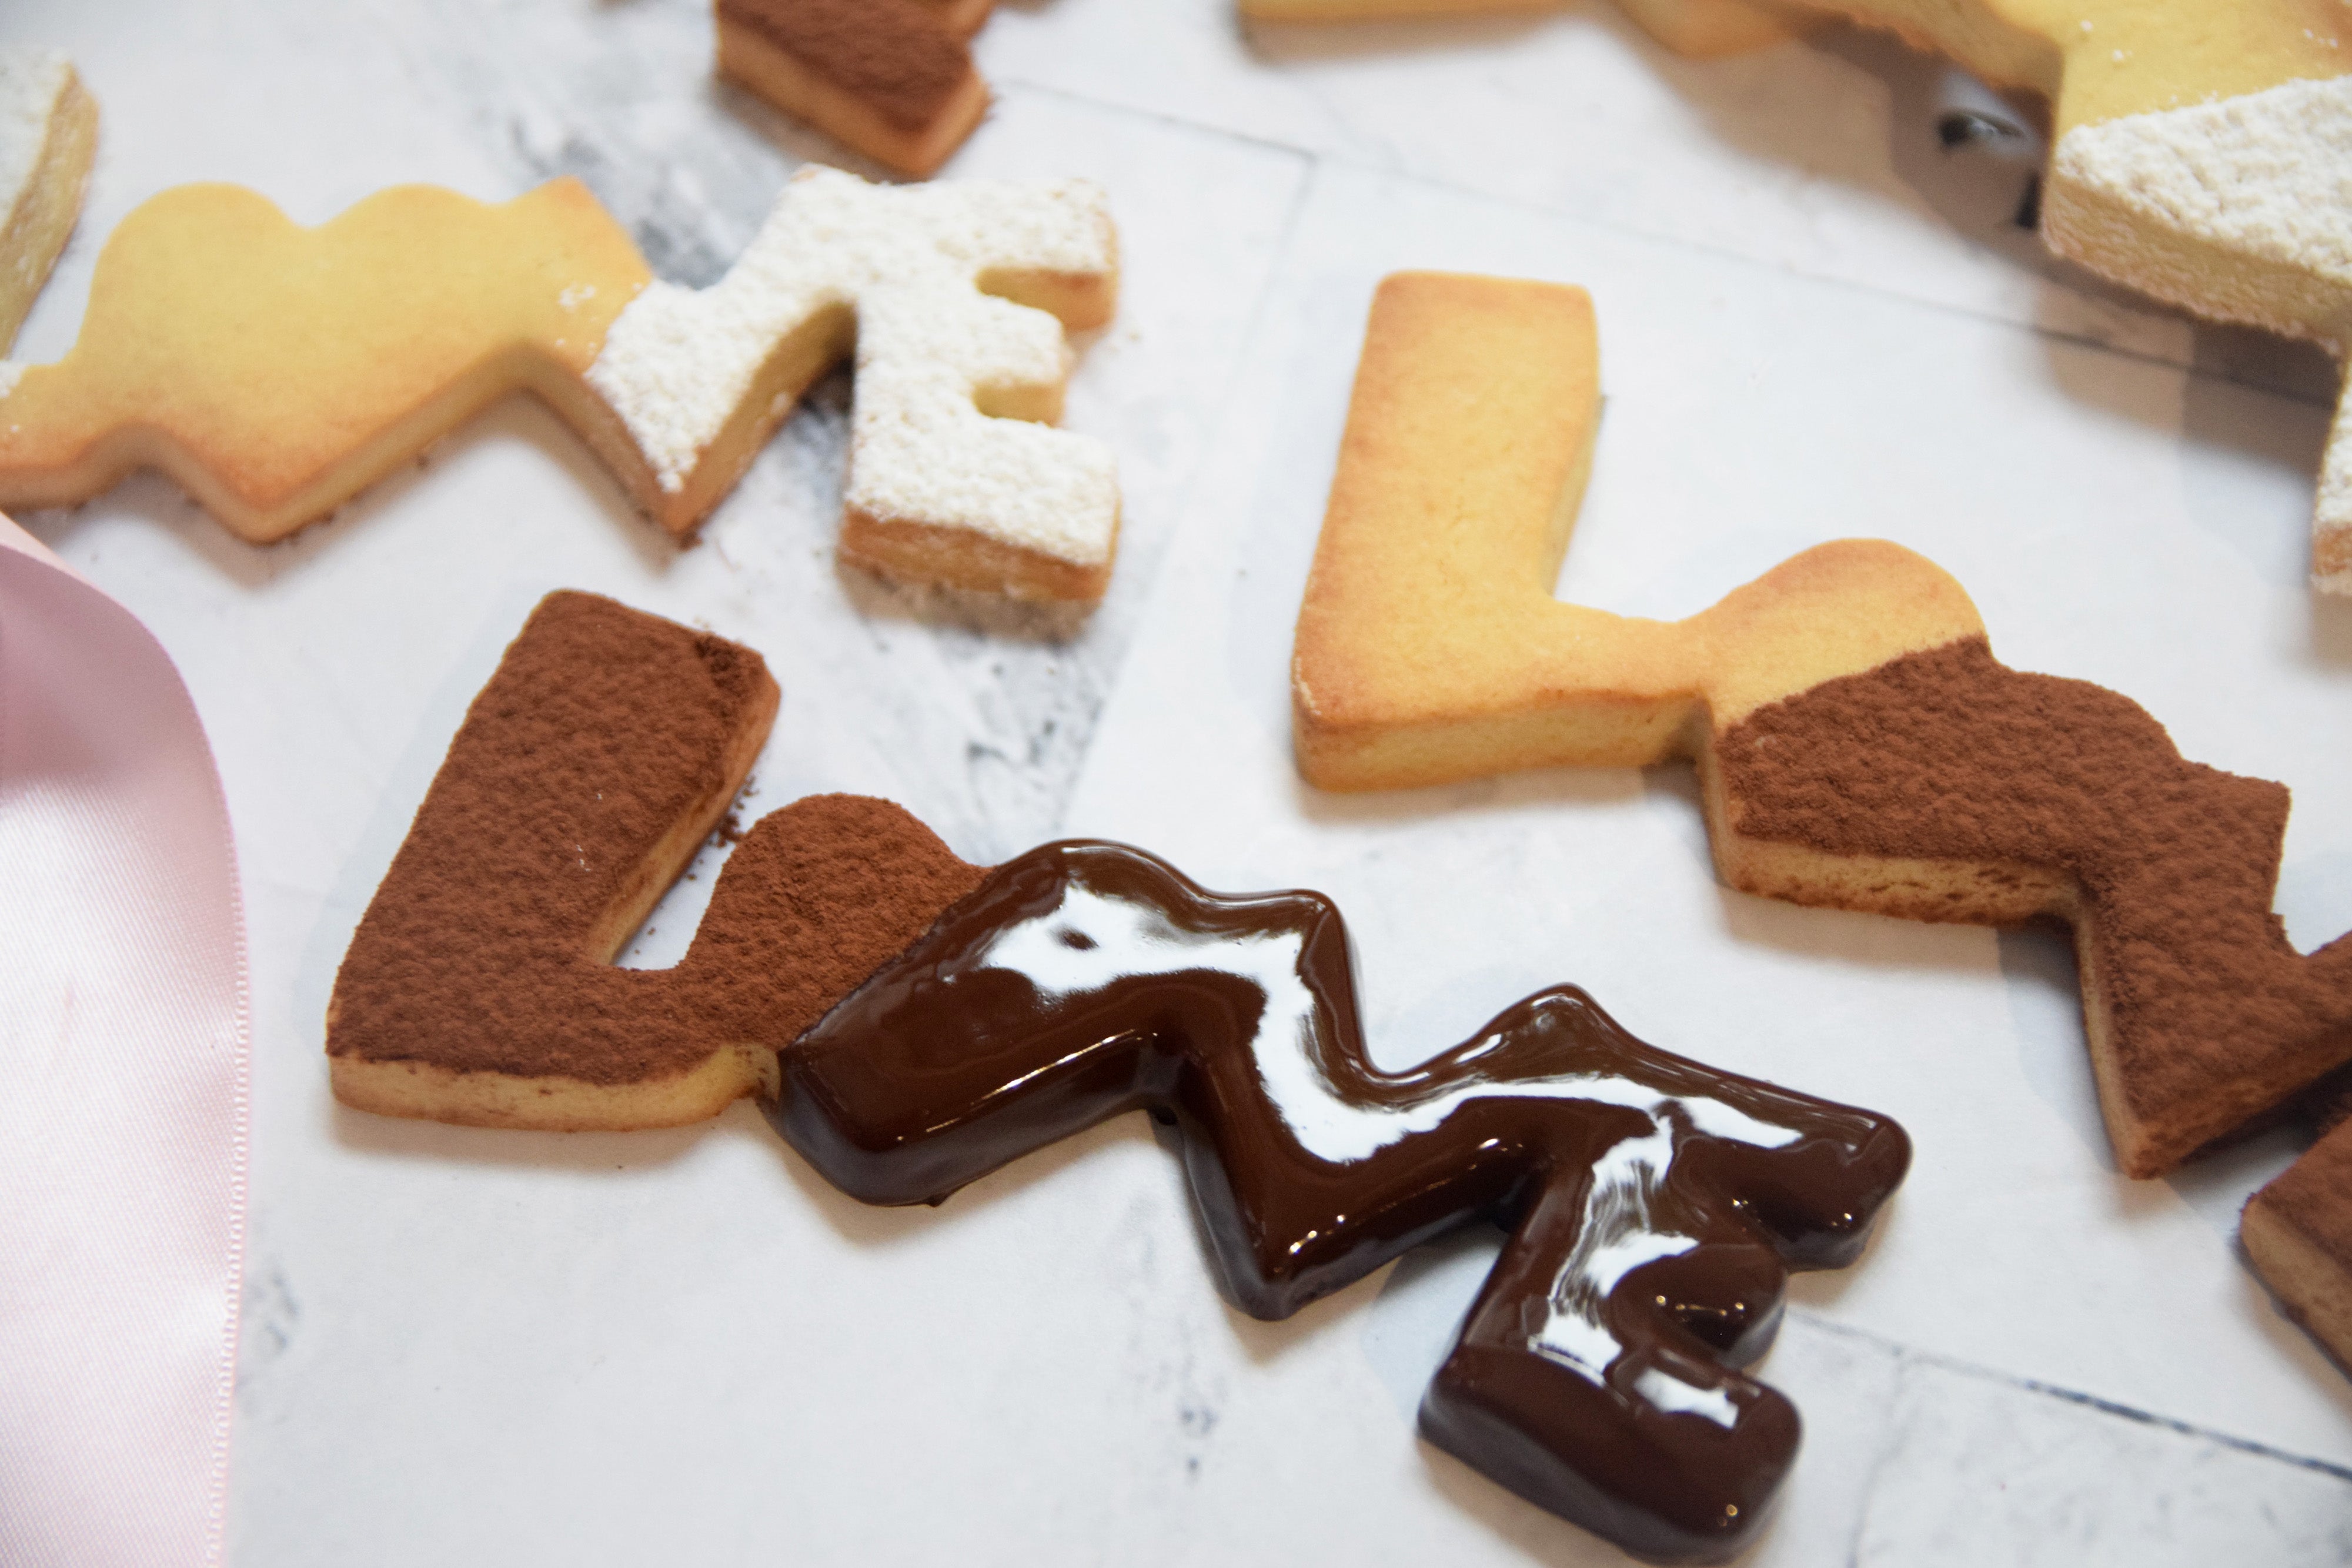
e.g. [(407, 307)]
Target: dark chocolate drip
[(1654, 1205)]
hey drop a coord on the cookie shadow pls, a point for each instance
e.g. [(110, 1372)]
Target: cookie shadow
[(519, 418), (994, 615), (877, 1225), (1309, 42), (489, 1148), (1567, 788), (1531, 1533)]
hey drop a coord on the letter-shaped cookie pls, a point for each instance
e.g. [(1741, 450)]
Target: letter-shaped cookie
[(2201, 157), (274, 370), (1655, 1204), (479, 988), (950, 294), (1857, 744), (48, 133)]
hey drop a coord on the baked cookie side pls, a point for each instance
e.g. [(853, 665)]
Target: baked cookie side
[(2298, 1233)]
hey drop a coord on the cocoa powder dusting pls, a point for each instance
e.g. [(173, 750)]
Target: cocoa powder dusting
[(1949, 755), (893, 54), (601, 729)]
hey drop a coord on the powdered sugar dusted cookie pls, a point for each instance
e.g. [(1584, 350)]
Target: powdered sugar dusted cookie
[(2240, 209), (955, 297), (274, 370), (1858, 745), (48, 133), (2203, 155)]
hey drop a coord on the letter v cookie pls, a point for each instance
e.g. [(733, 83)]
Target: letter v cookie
[(479, 988), (1858, 745)]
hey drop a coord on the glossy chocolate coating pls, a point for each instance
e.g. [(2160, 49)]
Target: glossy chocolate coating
[(1654, 1205)]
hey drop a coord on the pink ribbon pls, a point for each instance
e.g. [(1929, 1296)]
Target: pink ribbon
[(123, 1074)]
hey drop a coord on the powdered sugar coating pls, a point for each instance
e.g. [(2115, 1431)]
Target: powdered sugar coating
[(2268, 172), (678, 363), (2240, 208), (32, 82)]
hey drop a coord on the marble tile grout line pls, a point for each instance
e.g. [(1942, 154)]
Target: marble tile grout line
[(1909, 1354), (1340, 158)]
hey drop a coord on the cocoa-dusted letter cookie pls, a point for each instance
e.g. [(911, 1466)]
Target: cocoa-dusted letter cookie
[(479, 988)]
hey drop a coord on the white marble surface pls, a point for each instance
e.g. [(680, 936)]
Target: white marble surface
[(682, 1347)]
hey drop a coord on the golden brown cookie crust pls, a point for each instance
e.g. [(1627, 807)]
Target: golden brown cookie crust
[(275, 370)]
